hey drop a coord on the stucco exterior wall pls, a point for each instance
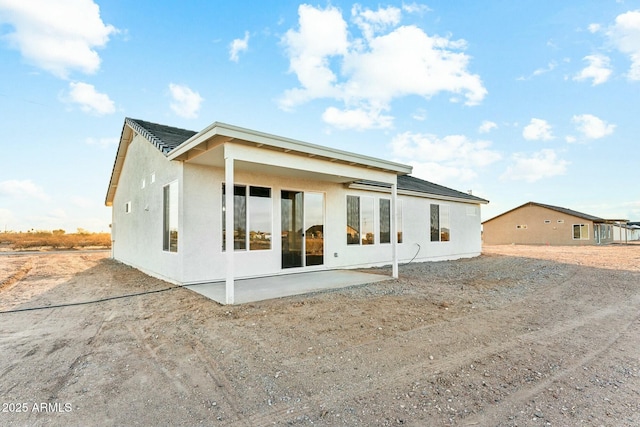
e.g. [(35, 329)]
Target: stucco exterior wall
[(137, 235), (201, 242), (535, 225)]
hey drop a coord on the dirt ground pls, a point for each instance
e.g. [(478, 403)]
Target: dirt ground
[(520, 336)]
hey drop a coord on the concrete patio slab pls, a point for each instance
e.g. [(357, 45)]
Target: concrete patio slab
[(264, 288)]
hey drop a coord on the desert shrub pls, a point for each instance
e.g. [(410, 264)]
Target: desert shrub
[(55, 240)]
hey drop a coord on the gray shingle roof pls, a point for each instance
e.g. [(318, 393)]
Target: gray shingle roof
[(411, 183), (554, 208), (165, 138), (570, 212)]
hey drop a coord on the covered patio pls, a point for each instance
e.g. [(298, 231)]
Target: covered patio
[(237, 150), (278, 286)]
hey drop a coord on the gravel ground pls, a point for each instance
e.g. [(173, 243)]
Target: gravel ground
[(520, 336)]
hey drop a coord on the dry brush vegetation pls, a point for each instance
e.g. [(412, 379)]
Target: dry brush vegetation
[(56, 239)]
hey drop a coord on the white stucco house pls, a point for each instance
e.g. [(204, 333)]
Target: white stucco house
[(294, 207)]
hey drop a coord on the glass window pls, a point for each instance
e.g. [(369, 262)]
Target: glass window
[(440, 227), (260, 208), (385, 221), (353, 220), (445, 227), (399, 219), (239, 217), (254, 214), (367, 222), (580, 232), (435, 223), (170, 217)]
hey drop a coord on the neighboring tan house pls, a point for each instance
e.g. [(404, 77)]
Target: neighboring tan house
[(171, 204), (539, 224)]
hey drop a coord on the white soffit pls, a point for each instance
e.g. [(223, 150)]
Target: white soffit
[(219, 133)]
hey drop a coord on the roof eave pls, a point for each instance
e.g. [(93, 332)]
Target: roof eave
[(222, 132), (383, 188), (126, 136)]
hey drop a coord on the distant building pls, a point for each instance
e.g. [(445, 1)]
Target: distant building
[(626, 232), (540, 224)]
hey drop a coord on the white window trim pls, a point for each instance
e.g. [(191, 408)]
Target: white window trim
[(581, 236)]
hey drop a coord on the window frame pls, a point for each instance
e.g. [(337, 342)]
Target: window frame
[(384, 221), (170, 208), (399, 220), (353, 212), (443, 217), (367, 225), (246, 241), (581, 227)]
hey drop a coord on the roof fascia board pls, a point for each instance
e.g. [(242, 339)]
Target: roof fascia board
[(383, 189), (286, 144), (126, 137)]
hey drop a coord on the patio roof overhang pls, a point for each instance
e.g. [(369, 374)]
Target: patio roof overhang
[(266, 153)]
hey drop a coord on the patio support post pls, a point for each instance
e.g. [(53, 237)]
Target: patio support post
[(228, 236), (394, 229)]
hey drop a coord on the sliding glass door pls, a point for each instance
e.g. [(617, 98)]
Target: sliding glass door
[(302, 228)]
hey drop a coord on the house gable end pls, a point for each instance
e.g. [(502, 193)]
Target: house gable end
[(164, 138)]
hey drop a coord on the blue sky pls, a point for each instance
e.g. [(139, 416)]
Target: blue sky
[(516, 100)]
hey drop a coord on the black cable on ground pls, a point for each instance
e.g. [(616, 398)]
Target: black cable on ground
[(414, 257), (72, 304)]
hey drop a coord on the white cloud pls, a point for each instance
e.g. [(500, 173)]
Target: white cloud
[(366, 74), (416, 8), (599, 69), (57, 36), (237, 46), (550, 67), (537, 130), (420, 115), (90, 100), (359, 119), (102, 142), (540, 165), (186, 102), (322, 34), (592, 127), (570, 139), (594, 28), (625, 35), (539, 71), (371, 22), (22, 189), (487, 126), (442, 159)]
